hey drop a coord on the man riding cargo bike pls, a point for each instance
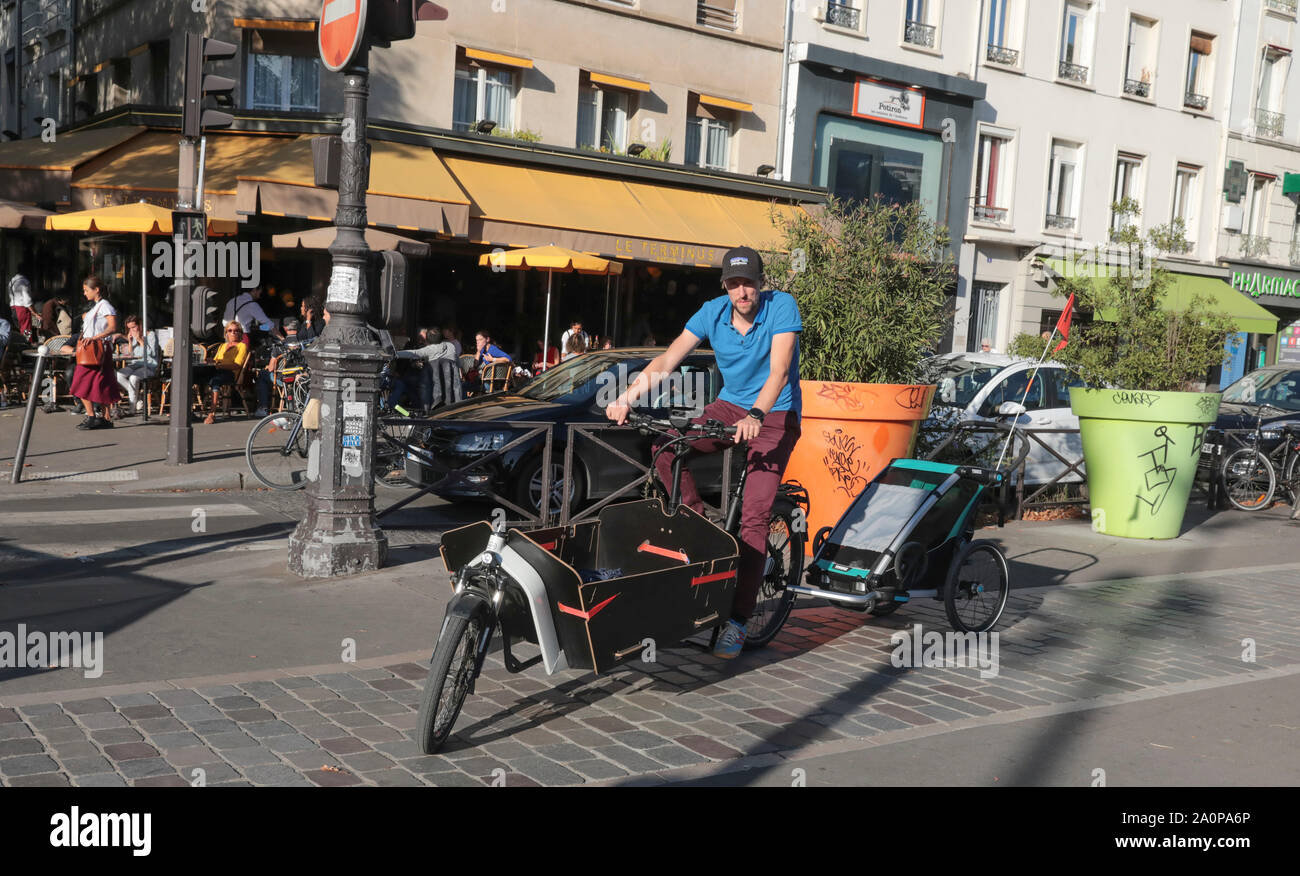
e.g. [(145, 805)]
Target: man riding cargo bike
[(755, 340)]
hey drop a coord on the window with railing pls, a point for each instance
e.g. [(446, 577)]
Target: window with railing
[(1286, 7), (1140, 57), (1199, 73), (844, 14), (920, 26), (1076, 42), (718, 13), (1254, 239), (1269, 120), (1064, 185), (993, 177), (1003, 33)]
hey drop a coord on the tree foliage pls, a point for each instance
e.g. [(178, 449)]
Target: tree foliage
[(871, 281), (1122, 336)]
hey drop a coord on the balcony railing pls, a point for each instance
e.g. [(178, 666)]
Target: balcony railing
[(843, 15), (1196, 101), (1254, 246), (715, 16), (989, 213), (919, 34), (1002, 55), (1287, 6), (1137, 87), (1180, 247), (1054, 221), (1269, 123), (1072, 72)]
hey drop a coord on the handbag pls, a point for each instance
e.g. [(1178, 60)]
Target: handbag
[(90, 354)]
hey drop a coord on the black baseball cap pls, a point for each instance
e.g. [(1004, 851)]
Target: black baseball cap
[(742, 261)]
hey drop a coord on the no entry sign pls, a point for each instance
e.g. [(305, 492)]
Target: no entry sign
[(342, 28)]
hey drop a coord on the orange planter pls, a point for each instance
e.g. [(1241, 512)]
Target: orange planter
[(850, 432)]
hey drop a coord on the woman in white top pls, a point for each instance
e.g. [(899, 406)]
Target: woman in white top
[(96, 384)]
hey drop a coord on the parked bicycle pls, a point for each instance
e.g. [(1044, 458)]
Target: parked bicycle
[(592, 594), (1251, 478)]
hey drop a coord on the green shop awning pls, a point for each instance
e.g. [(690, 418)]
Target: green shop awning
[(1291, 184), (1246, 314)]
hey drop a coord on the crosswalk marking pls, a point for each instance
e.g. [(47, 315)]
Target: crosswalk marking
[(77, 516)]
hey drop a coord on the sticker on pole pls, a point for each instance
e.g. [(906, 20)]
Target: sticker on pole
[(355, 415), (342, 29), (345, 285)]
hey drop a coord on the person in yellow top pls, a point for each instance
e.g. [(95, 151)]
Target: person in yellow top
[(224, 366)]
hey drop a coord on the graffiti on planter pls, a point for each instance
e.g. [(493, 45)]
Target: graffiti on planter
[(841, 394), (1198, 434), (848, 472), (1124, 397), (912, 398), (1207, 405), (1159, 477)]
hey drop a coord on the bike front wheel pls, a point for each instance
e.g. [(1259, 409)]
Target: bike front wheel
[(277, 451), (975, 594), (451, 672), (784, 565), (1248, 480)]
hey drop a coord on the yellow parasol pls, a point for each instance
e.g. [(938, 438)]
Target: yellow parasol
[(551, 258), (142, 218)]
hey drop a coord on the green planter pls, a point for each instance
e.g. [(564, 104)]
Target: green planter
[(1141, 450)]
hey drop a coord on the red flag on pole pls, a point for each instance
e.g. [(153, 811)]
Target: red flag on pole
[(1063, 324)]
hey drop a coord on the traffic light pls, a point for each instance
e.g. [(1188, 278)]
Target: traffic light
[(204, 320), (393, 299), (390, 21), (199, 85)]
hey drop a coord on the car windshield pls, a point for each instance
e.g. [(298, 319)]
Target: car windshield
[(1281, 389), (967, 379), (577, 380)]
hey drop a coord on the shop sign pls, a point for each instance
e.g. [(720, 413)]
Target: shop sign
[(887, 102), (1288, 343), (672, 253), (1255, 284)]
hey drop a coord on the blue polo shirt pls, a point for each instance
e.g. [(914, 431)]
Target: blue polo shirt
[(745, 360)]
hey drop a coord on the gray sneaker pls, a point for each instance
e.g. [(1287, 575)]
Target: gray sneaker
[(731, 641)]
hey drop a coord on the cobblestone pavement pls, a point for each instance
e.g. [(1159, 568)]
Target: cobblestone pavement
[(826, 683)]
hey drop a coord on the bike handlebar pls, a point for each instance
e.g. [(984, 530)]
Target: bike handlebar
[(707, 429)]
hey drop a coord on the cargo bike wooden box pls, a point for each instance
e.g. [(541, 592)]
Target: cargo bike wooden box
[(589, 595)]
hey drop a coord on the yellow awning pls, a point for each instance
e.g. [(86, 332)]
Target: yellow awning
[(627, 219), (619, 82), (410, 188), (33, 170), (275, 24), (146, 168), (727, 103), (499, 58)]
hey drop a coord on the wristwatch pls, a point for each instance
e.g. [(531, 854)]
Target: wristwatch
[(757, 414)]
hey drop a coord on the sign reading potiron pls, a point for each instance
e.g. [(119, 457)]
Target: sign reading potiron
[(342, 29), (888, 102)]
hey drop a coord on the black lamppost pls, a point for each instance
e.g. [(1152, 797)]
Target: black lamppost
[(339, 535)]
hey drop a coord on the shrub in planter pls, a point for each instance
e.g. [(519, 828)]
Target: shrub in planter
[(1142, 434), (871, 282)]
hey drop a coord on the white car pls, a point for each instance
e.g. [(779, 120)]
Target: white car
[(973, 386)]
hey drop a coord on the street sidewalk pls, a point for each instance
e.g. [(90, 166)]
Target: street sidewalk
[(130, 457)]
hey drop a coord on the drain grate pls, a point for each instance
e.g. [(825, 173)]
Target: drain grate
[(102, 477)]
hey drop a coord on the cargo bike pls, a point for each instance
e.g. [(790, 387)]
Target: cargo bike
[(599, 592)]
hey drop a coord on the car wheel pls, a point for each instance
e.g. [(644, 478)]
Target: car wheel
[(528, 487)]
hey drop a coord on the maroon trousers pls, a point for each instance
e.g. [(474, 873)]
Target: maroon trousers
[(765, 460)]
